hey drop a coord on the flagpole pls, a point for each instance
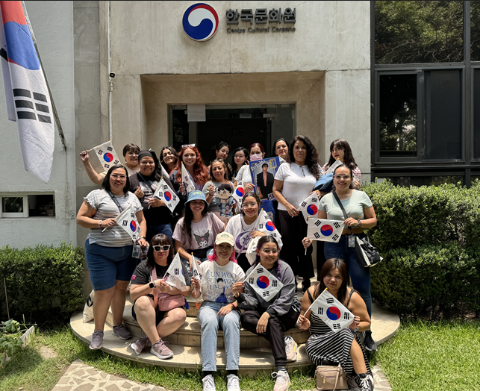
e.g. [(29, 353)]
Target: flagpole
[(55, 114)]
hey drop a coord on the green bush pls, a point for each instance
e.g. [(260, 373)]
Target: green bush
[(43, 283), (429, 238)]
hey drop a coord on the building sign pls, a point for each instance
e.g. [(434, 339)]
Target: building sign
[(200, 22), (270, 21)]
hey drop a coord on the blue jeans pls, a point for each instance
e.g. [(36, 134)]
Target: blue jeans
[(108, 264), (154, 229), (360, 275), (210, 322)]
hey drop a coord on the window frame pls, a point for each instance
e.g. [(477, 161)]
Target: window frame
[(9, 215)]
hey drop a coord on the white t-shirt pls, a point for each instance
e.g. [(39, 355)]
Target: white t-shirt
[(297, 181), (107, 209), (240, 230), (244, 175), (217, 281)]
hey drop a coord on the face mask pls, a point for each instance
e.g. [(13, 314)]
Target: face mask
[(256, 157)]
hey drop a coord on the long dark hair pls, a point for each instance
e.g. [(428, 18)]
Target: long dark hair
[(351, 175), (220, 145), (174, 153), (162, 240), (348, 159), (254, 195), (106, 180), (274, 148), (261, 242), (330, 264), (188, 217), (245, 163), (311, 160)]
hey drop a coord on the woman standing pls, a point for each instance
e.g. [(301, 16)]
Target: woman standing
[(168, 158), (239, 159), (342, 347), (245, 226), (219, 191), (293, 183), (221, 153), (196, 231), (144, 184), (340, 150), (270, 319), (361, 215), (130, 153), (108, 249), (280, 149), (219, 309), (191, 158), (147, 291)]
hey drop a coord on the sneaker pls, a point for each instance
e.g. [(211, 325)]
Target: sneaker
[(208, 383), (369, 342), (139, 345), (121, 332), (233, 383), (160, 350), (365, 382), (291, 349), (352, 384), (97, 340), (283, 381)]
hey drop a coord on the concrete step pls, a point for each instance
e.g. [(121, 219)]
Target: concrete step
[(185, 357), (189, 333)]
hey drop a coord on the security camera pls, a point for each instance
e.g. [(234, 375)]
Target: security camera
[(112, 75)]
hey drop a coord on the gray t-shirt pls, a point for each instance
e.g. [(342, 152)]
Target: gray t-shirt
[(114, 236), (353, 206)]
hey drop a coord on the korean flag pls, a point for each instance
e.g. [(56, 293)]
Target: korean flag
[(331, 311), (187, 180), (325, 230), (107, 155), (164, 192), (309, 206), (128, 221), (174, 275), (195, 271), (239, 193), (264, 283)]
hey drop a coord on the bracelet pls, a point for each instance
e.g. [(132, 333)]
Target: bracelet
[(100, 224), (359, 223)]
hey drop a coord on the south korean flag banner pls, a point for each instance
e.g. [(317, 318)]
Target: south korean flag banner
[(195, 271), (264, 224), (107, 155), (187, 180), (264, 283), (332, 168), (128, 221), (324, 230), (309, 206), (174, 275), (239, 193), (333, 313), (164, 193)]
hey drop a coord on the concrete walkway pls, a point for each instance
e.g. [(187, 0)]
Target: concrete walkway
[(82, 377)]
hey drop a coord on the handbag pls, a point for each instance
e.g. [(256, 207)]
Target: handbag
[(366, 253), (331, 378), (167, 302)]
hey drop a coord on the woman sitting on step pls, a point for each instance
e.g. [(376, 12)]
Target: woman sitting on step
[(271, 319), (345, 346), (221, 279), (150, 293)]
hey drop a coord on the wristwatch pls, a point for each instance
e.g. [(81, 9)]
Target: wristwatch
[(359, 223), (152, 285)]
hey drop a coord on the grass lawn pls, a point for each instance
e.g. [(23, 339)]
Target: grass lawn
[(431, 356)]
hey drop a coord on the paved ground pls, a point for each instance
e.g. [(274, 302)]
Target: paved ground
[(82, 377)]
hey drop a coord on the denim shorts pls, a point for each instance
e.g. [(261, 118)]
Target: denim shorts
[(109, 264)]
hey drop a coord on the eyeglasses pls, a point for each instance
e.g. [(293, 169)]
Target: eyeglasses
[(161, 248), (344, 177)]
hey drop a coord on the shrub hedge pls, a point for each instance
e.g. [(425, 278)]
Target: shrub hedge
[(429, 237), (43, 283)]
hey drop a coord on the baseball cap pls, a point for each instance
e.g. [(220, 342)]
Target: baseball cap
[(196, 195), (225, 237)]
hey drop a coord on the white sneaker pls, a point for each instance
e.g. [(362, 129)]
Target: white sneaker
[(283, 381), (208, 383), (291, 349), (233, 383)]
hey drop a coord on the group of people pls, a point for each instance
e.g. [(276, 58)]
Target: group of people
[(208, 227)]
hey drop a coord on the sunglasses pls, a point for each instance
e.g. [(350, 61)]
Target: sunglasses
[(160, 248)]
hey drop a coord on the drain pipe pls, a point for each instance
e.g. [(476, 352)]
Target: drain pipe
[(110, 74)]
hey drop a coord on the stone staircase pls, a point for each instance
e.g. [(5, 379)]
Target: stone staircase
[(255, 352)]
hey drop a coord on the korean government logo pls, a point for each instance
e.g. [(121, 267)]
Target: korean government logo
[(200, 22)]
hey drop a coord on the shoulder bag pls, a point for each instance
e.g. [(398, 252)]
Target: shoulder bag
[(366, 253), (331, 378), (167, 302)]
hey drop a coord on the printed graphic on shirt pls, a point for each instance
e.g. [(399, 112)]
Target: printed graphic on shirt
[(201, 237), (242, 240), (148, 194), (217, 286)]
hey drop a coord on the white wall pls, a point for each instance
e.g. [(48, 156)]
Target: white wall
[(52, 24)]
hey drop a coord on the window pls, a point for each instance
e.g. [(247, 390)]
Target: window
[(476, 113), (33, 205)]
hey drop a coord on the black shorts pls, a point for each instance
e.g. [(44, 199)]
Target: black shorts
[(159, 315)]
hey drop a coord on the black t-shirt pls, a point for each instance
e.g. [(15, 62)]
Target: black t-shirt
[(155, 216), (143, 273)]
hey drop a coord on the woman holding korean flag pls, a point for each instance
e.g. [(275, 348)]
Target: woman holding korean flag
[(360, 215), (271, 305), (109, 247), (326, 344)]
